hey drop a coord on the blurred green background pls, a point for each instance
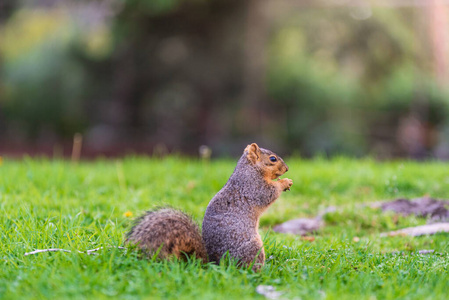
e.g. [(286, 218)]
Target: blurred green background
[(155, 76)]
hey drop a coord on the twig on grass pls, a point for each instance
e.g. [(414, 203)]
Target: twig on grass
[(46, 250), (88, 252)]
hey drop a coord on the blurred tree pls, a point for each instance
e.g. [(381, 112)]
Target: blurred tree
[(177, 69), (40, 83)]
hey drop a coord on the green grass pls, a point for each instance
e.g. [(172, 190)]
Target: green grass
[(57, 204)]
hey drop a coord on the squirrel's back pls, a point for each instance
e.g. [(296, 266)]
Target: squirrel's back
[(167, 232)]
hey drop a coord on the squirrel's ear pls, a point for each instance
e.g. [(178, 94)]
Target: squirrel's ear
[(253, 152)]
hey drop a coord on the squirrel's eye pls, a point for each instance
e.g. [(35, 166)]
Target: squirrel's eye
[(273, 158)]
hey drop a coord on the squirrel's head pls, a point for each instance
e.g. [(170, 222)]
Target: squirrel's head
[(269, 163)]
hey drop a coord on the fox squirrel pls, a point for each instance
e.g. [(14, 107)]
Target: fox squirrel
[(231, 220)]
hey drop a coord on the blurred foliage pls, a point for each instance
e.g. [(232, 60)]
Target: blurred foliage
[(41, 84), (337, 76), (172, 72)]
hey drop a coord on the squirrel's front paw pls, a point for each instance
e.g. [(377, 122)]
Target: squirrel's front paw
[(286, 184)]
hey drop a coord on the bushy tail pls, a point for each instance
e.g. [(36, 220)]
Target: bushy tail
[(168, 232)]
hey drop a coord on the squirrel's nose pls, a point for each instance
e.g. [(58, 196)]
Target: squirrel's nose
[(286, 168)]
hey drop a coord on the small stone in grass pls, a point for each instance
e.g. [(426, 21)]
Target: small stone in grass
[(299, 226), (268, 291)]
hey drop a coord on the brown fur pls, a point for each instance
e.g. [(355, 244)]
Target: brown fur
[(231, 220), (168, 232)]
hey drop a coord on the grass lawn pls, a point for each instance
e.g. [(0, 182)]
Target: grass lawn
[(57, 204)]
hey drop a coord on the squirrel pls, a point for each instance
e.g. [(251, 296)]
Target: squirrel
[(231, 221)]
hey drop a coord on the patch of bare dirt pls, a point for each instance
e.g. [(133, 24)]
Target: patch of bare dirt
[(427, 207)]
